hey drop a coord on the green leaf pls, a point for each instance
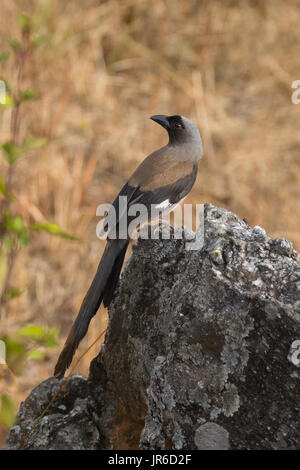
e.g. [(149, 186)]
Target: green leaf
[(34, 143), (24, 238), (4, 56), (13, 346), (17, 224), (8, 412), (8, 102), (24, 22), (36, 40), (28, 95), (12, 152), (14, 44), (13, 293), (42, 335), (3, 190), (35, 354), (51, 338), (15, 353), (35, 332), (53, 229), (13, 224)]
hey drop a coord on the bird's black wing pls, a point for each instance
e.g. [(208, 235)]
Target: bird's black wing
[(119, 209), (173, 192)]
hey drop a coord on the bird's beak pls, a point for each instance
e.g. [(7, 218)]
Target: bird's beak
[(162, 120)]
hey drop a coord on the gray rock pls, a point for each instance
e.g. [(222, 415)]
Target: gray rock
[(67, 423), (211, 436), (197, 352)]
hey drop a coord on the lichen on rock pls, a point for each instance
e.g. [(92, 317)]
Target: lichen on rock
[(196, 351)]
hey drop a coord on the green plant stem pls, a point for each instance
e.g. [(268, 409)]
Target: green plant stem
[(10, 263), (15, 125)]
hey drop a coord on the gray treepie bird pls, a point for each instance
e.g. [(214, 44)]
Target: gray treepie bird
[(163, 179)]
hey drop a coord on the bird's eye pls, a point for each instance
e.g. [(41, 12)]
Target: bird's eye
[(177, 125)]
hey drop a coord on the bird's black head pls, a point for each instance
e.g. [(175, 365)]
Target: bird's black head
[(179, 128)]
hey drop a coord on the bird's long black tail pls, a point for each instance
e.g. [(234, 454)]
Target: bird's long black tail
[(102, 288)]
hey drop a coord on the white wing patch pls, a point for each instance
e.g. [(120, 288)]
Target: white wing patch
[(163, 205), (167, 207)]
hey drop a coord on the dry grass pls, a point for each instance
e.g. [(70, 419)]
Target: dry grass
[(106, 66)]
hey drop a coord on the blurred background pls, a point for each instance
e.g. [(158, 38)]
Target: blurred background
[(83, 77)]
